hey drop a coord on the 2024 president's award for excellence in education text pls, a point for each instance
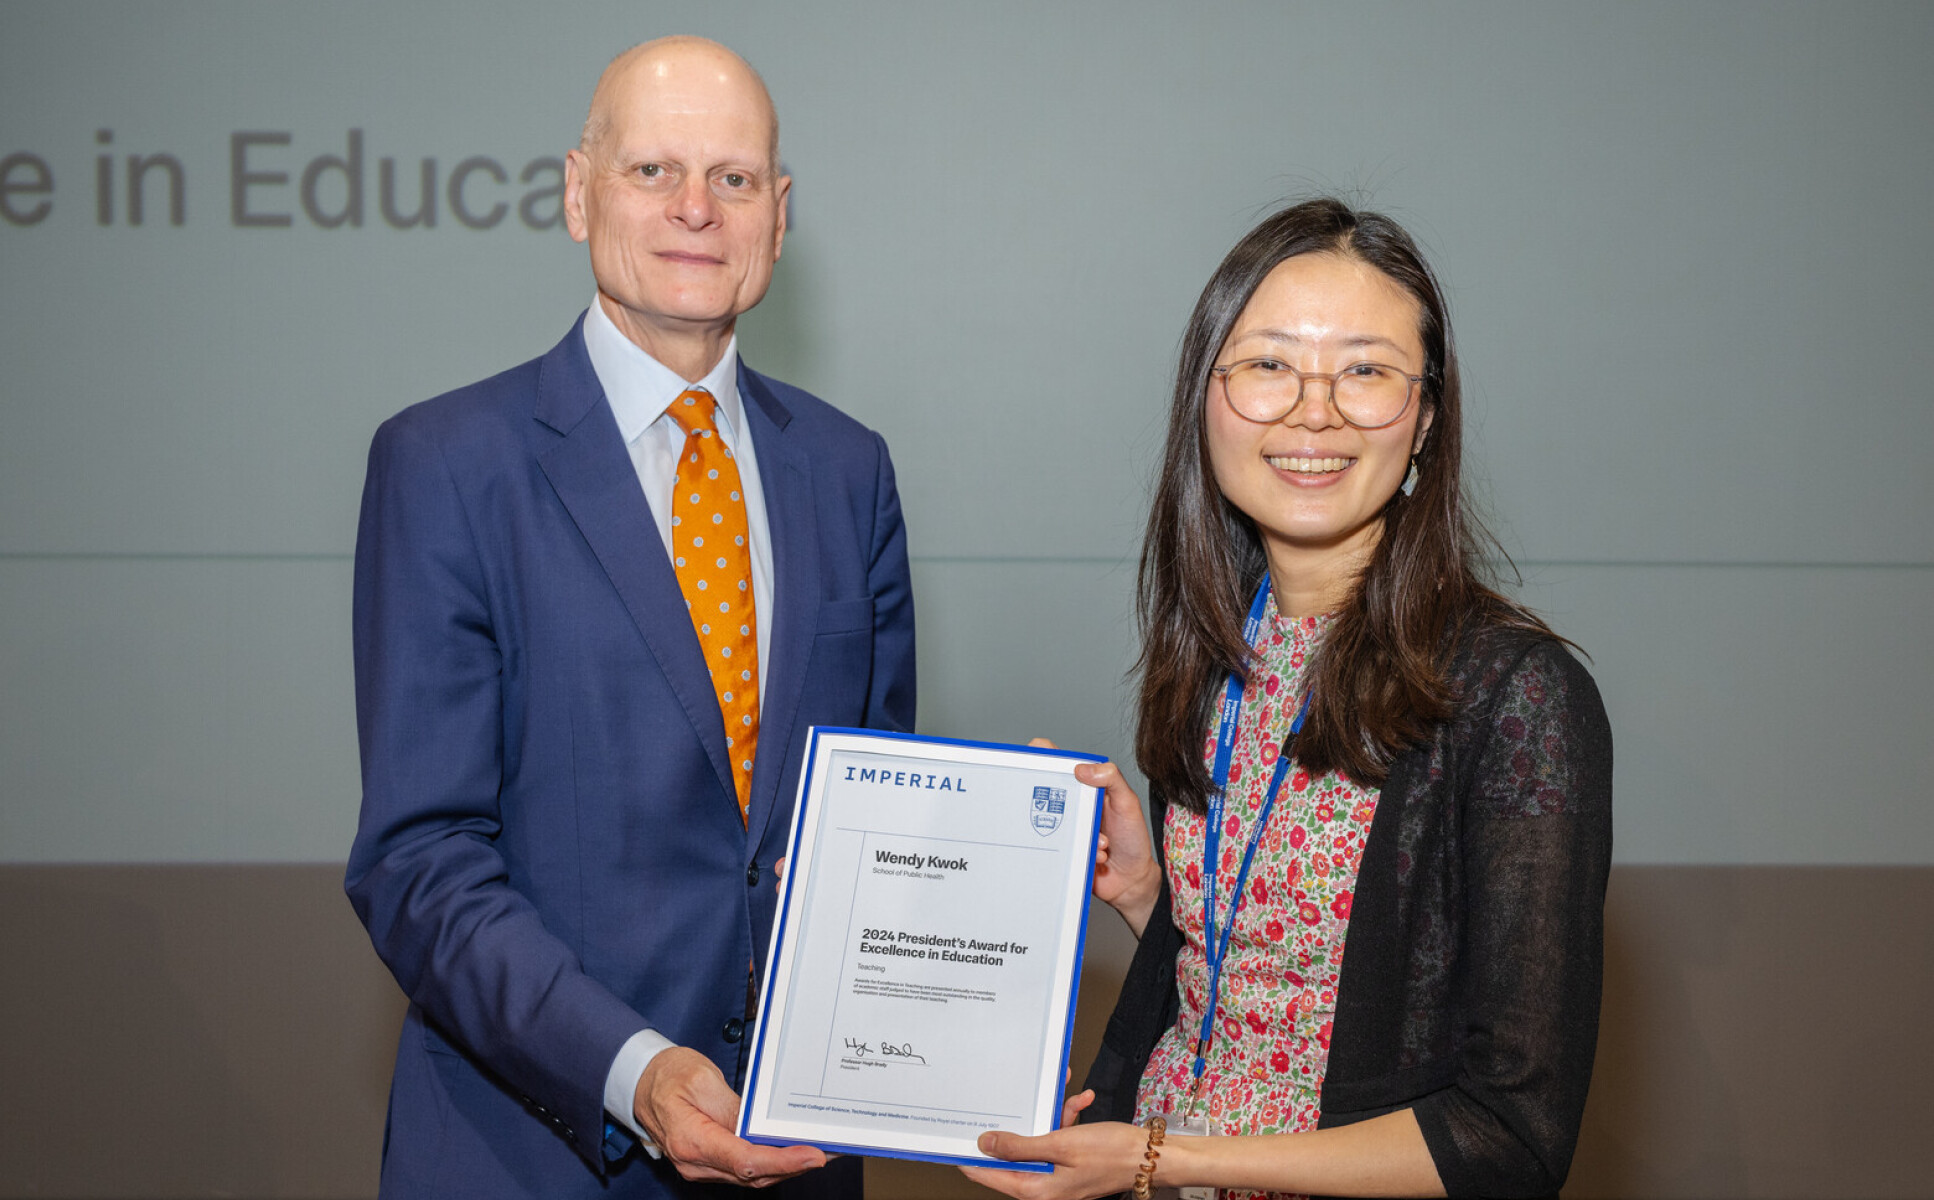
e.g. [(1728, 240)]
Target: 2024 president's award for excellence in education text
[(921, 983)]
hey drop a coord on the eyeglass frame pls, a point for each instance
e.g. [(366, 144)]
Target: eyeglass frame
[(1302, 382)]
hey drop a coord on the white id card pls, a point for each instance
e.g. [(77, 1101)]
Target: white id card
[(1196, 1126)]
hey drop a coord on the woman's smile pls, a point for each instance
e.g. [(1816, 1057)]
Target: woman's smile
[(1309, 468)]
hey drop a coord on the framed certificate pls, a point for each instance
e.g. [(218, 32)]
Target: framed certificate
[(924, 965)]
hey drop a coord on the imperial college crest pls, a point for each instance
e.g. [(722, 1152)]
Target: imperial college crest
[(1050, 804)]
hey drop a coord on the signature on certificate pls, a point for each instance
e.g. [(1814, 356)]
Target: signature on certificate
[(904, 1052)]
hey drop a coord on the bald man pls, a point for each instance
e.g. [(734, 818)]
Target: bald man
[(578, 769)]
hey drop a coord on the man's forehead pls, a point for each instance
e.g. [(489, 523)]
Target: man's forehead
[(711, 95), (739, 130)]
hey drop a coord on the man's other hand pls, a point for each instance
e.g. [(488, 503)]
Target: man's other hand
[(689, 1110)]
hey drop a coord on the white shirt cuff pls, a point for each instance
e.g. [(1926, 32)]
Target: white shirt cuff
[(621, 1082)]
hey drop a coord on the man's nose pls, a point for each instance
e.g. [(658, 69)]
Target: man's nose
[(694, 206)]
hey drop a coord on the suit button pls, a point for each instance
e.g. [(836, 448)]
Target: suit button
[(752, 875), (734, 1030)]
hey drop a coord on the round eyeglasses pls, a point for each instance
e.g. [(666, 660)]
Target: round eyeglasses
[(1368, 395)]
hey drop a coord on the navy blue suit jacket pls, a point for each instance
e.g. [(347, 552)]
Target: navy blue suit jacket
[(550, 855)]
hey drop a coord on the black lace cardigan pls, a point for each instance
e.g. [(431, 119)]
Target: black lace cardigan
[(1471, 976)]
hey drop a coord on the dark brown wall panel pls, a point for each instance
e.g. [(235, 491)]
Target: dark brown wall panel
[(226, 1031), (1764, 1035), (190, 1031)]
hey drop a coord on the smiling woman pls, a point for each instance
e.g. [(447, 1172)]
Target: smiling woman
[(1314, 473), (1386, 753)]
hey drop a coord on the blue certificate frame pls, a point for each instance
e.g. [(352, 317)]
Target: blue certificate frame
[(926, 959)]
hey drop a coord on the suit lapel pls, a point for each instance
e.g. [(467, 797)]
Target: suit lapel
[(592, 474), (785, 473)]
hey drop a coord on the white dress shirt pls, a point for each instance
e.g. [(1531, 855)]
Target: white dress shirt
[(640, 390)]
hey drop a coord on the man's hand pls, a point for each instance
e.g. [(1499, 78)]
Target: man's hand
[(689, 1110)]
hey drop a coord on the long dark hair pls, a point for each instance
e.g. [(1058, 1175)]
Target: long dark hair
[(1381, 677)]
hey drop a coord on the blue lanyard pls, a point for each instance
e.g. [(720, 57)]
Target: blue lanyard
[(1215, 949)]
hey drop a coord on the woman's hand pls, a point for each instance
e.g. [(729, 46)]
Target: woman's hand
[(1089, 1160), (1127, 877)]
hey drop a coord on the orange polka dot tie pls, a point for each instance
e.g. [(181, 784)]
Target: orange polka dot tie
[(713, 561)]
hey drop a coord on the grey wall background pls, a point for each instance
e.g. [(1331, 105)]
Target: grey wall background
[(1687, 246)]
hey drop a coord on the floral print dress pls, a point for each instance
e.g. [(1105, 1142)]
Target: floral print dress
[(1278, 992)]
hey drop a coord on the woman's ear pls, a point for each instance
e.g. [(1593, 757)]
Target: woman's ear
[(1423, 430)]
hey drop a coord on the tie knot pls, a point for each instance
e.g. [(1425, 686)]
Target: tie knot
[(696, 410)]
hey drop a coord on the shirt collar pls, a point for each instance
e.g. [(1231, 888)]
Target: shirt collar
[(640, 388)]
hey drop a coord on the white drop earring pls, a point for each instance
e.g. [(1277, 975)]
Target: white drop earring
[(1410, 480)]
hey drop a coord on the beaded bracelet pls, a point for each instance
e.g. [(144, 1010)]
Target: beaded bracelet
[(1157, 1128)]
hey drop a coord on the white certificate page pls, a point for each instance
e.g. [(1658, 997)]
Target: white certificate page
[(921, 983)]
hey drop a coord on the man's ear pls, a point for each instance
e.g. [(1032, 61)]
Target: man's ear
[(577, 165), (783, 186)]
